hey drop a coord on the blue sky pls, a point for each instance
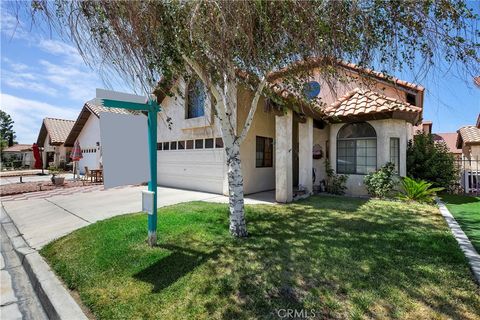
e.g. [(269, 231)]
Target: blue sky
[(43, 76)]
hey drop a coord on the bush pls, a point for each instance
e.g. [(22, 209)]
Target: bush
[(420, 191), (431, 161), (335, 182), (381, 183)]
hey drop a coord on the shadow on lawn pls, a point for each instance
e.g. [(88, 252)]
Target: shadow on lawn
[(168, 270), (459, 199), (329, 256)]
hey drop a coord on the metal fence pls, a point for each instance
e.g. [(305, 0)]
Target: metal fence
[(469, 175)]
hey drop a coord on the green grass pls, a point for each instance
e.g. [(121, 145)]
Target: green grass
[(341, 257), (466, 210)]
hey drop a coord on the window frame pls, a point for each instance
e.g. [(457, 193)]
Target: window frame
[(355, 151), (264, 160), (397, 165)]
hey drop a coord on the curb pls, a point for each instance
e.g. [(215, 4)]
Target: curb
[(465, 245), (54, 297)]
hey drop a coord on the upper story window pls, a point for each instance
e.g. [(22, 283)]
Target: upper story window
[(411, 98), (356, 149), (195, 97)]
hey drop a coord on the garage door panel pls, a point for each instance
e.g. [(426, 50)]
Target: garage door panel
[(201, 170)]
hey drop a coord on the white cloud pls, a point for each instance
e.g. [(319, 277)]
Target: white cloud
[(59, 48), (28, 115), (12, 27)]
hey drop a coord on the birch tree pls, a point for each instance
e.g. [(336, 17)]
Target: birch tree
[(153, 43)]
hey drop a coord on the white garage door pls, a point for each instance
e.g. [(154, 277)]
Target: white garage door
[(201, 170)]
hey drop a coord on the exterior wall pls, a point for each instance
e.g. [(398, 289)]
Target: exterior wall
[(255, 179), (88, 138), (196, 169), (60, 153), (385, 129)]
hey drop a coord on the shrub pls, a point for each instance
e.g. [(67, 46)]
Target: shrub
[(381, 183), (335, 182), (431, 161), (418, 190)]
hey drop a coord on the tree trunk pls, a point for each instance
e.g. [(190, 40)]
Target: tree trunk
[(238, 227)]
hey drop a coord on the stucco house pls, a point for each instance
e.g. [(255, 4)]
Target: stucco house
[(468, 140), (358, 125), (86, 130), (51, 138)]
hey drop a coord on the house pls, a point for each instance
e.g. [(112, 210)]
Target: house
[(51, 138), (358, 125), (19, 155), (86, 130), (468, 141)]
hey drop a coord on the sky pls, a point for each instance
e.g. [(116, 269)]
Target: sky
[(44, 76)]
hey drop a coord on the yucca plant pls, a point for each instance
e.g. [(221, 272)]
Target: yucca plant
[(418, 190)]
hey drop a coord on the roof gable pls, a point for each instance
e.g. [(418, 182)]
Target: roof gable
[(364, 104), (57, 129)]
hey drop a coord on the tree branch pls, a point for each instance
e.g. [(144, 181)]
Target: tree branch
[(253, 109)]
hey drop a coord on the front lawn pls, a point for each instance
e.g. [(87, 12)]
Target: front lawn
[(466, 210), (332, 257)]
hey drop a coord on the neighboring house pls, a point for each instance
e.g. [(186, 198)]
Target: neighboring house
[(51, 138), (358, 125), (468, 140), (18, 155), (86, 130), (424, 127)]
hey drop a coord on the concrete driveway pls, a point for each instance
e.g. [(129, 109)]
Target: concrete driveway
[(43, 220)]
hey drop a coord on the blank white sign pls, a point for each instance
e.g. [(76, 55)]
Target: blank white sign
[(124, 140)]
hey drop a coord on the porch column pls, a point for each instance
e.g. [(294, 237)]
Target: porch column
[(283, 157), (305, 160)]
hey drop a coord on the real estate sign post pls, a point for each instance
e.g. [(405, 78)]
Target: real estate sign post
[(152, 108)]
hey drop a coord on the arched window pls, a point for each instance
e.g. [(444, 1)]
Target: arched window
[(356, 149), (195, 98)]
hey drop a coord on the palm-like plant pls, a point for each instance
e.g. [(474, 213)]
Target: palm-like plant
[(418, 190)]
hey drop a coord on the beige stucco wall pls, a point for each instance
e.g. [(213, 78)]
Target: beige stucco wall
[(385, 129), (196, 169), (60, 153), (255, 179)]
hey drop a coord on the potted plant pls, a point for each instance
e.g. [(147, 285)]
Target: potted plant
[(57, 178)]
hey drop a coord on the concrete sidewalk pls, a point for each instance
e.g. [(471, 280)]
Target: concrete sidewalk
[(44, 220)]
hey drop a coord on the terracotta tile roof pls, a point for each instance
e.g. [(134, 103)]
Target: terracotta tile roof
[(58, 129), (450, 138), (317, 62), (468, 135), (363, 101), (96, 108), (18, 148), (91, 107)]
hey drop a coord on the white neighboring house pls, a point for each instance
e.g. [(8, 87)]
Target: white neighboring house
[(86, 130), (357, 125), (52, 137)]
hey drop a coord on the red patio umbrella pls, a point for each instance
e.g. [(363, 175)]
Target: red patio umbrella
[(76, 155), (36, 155)]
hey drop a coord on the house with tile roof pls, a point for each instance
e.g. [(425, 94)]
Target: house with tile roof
[(359, 121), (468, 140), (18, 155), (86, 130), (51, 139)]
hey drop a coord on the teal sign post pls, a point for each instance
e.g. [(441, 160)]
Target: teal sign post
[(152, 108)]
